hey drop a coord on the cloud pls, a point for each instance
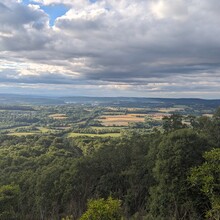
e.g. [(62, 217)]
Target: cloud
[(138, 45), (22, 27), (176, 9)]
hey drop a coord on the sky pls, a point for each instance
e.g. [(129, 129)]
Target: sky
[(138, 48)]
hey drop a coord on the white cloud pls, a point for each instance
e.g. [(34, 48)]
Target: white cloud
[(123, 45), (176, 9), (76, 3)]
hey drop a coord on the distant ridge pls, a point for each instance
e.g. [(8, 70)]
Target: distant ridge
[(12, 99)]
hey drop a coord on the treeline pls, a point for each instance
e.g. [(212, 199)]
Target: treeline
[(163, 175), (17, 107)]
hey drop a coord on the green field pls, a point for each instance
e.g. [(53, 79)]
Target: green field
[(46, 130), (39, 130), (73, 134), (19, 134), (108, 127)]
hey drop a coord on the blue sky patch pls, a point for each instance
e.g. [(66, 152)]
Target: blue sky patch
[(54, 11)]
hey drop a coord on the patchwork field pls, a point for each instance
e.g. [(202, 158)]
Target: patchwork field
[(173, 109), (73, 134), (121, 120), (19, 134), (107, 128), (158, 116), (208, 115), (46, 130), (58, 116), (26, 130)]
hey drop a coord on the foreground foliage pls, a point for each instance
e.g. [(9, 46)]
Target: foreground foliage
[(173, 174), (103, 209), (207, 178)]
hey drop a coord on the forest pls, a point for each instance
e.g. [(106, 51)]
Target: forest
[(169, 173)]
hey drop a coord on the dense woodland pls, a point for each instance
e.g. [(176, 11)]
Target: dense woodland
[(166, 174)]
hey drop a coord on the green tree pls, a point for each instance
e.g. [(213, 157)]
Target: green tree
[(215, 129), (173, 122), (8, 201), (207, 178), (101, 209), (171, 197)]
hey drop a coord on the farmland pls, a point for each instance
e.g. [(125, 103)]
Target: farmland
[(58, 116), (72, 134), (121, 120), (96, 118)]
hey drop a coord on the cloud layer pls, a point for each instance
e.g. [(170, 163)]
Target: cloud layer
[(127, 47)]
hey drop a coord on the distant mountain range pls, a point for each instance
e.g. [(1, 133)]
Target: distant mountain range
[(13, 99)]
